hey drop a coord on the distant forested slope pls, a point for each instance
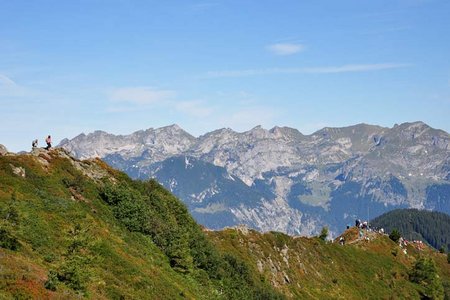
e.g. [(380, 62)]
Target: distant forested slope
[(428, 226)]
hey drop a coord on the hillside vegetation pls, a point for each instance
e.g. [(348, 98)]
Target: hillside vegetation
[(79, 229), (428, 226)]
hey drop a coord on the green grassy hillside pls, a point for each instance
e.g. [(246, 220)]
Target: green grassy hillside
[(79, 229), (309, 268)]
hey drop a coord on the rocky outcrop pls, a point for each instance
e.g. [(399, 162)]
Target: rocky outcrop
[(3, 150), (18, 171)]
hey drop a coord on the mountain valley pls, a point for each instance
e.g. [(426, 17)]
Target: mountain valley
[(280, 179)]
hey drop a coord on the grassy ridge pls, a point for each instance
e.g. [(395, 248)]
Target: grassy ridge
[(81, 229)]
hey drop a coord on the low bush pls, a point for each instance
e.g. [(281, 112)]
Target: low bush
[(7, 240), (323, 234), (424, 273), (52, 280), (395, 235)]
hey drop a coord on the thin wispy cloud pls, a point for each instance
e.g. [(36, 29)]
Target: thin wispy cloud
[(202, 6), (129, 99), (311, 70), (141, 95), (7, 82), (10, 88), (193, 108), (355, 68), (285, 48)]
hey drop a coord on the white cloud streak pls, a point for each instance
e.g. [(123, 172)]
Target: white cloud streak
[(285, 48), (136, 98), (315, 70), (141, 95), (10, 88), (204, 6), (355, 68), (7, 82), (193, 108)]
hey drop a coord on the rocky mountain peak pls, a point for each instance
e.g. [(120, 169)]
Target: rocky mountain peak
[(417, 135), (257, 132), (154, 144), (414, 127), (174, 128)]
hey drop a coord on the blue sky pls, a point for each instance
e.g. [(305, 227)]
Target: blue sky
[(68, 67)]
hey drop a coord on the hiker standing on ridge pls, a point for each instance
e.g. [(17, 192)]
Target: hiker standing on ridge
[(48, 140), (34, 144)]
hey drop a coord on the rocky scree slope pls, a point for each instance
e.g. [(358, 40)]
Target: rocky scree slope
[(294, 183)]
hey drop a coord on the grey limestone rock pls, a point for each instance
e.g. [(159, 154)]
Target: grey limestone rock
[(3, 150)]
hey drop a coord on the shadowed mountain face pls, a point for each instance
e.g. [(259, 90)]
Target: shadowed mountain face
[(280, 179)]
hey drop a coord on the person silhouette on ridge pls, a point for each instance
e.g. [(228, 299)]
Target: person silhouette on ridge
[(48, 140)]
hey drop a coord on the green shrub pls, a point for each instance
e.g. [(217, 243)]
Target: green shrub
[(179, 255), (424, 273), (52, 280), (281, 239), (114, 194), (323, 233), (395, 235), (73, 269), (133, 213), (49, 257), (237, 268), (11, 215), (7, 240), (74, 273), (394, 251)]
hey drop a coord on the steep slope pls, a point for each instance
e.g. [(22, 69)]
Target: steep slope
[(329, 177), (427, 226), (308, 268)]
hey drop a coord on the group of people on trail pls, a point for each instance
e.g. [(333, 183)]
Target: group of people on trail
[(365, 225), (361, 224), (363, 231), (48, 141)]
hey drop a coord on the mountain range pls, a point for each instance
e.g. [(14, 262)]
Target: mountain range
[(281, 179)]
